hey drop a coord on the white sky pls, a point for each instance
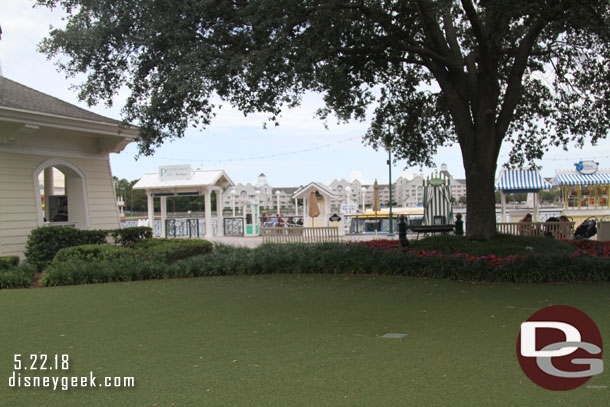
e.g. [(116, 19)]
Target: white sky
[(233, 137)]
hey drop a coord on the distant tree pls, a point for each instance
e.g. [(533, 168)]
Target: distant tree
[(535, 73), (550, 196)]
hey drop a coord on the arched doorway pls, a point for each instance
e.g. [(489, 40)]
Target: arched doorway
[(67, 206)]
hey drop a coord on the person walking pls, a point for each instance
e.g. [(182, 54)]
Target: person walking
[(402, 232)]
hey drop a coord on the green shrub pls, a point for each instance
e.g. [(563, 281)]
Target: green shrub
[(93, 252), (132, 235), (18, 277), (171, 250), (93, 236), (124, 269), (331, 258), (7, 262), (44, 242), (499, 245)]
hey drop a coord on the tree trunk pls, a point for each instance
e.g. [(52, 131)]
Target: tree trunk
[(480, 201)]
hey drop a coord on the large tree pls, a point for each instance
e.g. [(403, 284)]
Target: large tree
[(535, 73)]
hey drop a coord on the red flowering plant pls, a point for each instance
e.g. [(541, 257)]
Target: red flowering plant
[(585, 248), (533, 261), (394, 245), (591, 247)]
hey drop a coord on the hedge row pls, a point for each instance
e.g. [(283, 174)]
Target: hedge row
[(17, 277), (160, 250), (44, 242), (339, 259), (7, 262)]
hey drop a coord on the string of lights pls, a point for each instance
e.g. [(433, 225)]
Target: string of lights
[(570, 158), (261, 157)]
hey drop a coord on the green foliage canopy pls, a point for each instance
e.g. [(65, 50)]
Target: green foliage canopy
[(542, 64), (535, 73)]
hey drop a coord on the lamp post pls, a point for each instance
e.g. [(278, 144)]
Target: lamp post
[(277, 194), (233, 193), (348, 191), (363, 191), (388, 147)]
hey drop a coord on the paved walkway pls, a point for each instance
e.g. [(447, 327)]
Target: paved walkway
[(258, 240)]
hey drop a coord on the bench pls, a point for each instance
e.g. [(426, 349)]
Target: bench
[(432, 229), (300, 234)]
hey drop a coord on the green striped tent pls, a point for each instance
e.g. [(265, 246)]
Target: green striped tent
[(437, 200)]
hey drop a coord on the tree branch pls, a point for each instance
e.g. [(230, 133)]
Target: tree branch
[(475, 22), (423, 52), (433, 30), (451, 36), (458, 107)]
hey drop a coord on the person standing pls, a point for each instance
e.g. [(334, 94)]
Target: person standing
[(402, 232), (459, 225)]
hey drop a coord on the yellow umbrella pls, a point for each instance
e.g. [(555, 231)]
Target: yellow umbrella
[(314, 210), (376, 204)]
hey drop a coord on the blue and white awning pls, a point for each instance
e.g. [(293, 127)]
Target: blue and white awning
[(576, 178), (521, 181)]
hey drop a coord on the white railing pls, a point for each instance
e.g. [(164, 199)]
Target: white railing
[(558, 230), (300, 235)]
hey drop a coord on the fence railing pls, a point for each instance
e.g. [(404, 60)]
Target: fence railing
[(233, 226), (558, 230), (300, 235)]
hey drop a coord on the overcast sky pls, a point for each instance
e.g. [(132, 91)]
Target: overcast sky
[(235, 143)]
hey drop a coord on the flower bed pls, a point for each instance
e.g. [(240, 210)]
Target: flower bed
[(375, 257), (584, 247), (591, 247)]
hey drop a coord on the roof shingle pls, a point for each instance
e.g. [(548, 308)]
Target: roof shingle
[(17, 96)]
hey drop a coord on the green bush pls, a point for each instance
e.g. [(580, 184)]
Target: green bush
[(44, 242), (124, 269), (93, 252), (18, 277), (7, 262), (155, 250), (132, 235), (332, 258), (171, 250), (499, 245)]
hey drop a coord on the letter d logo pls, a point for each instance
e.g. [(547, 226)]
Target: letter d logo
[(528, 338)]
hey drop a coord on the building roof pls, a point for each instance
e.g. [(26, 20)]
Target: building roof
[(286, 190), (198, 179), (321, 188), (14, 95), (601, 177), (520, 180)]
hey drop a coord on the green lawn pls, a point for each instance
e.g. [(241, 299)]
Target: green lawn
[(291, 340)]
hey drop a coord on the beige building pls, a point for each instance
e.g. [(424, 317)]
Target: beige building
[(40, 134), (261, 192)]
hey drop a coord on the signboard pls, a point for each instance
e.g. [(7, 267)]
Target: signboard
[(335, 218), (175, 172), (586, 167), (352, 208), (436, 181)]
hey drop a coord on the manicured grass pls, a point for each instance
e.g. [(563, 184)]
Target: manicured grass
[(291, 340)]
